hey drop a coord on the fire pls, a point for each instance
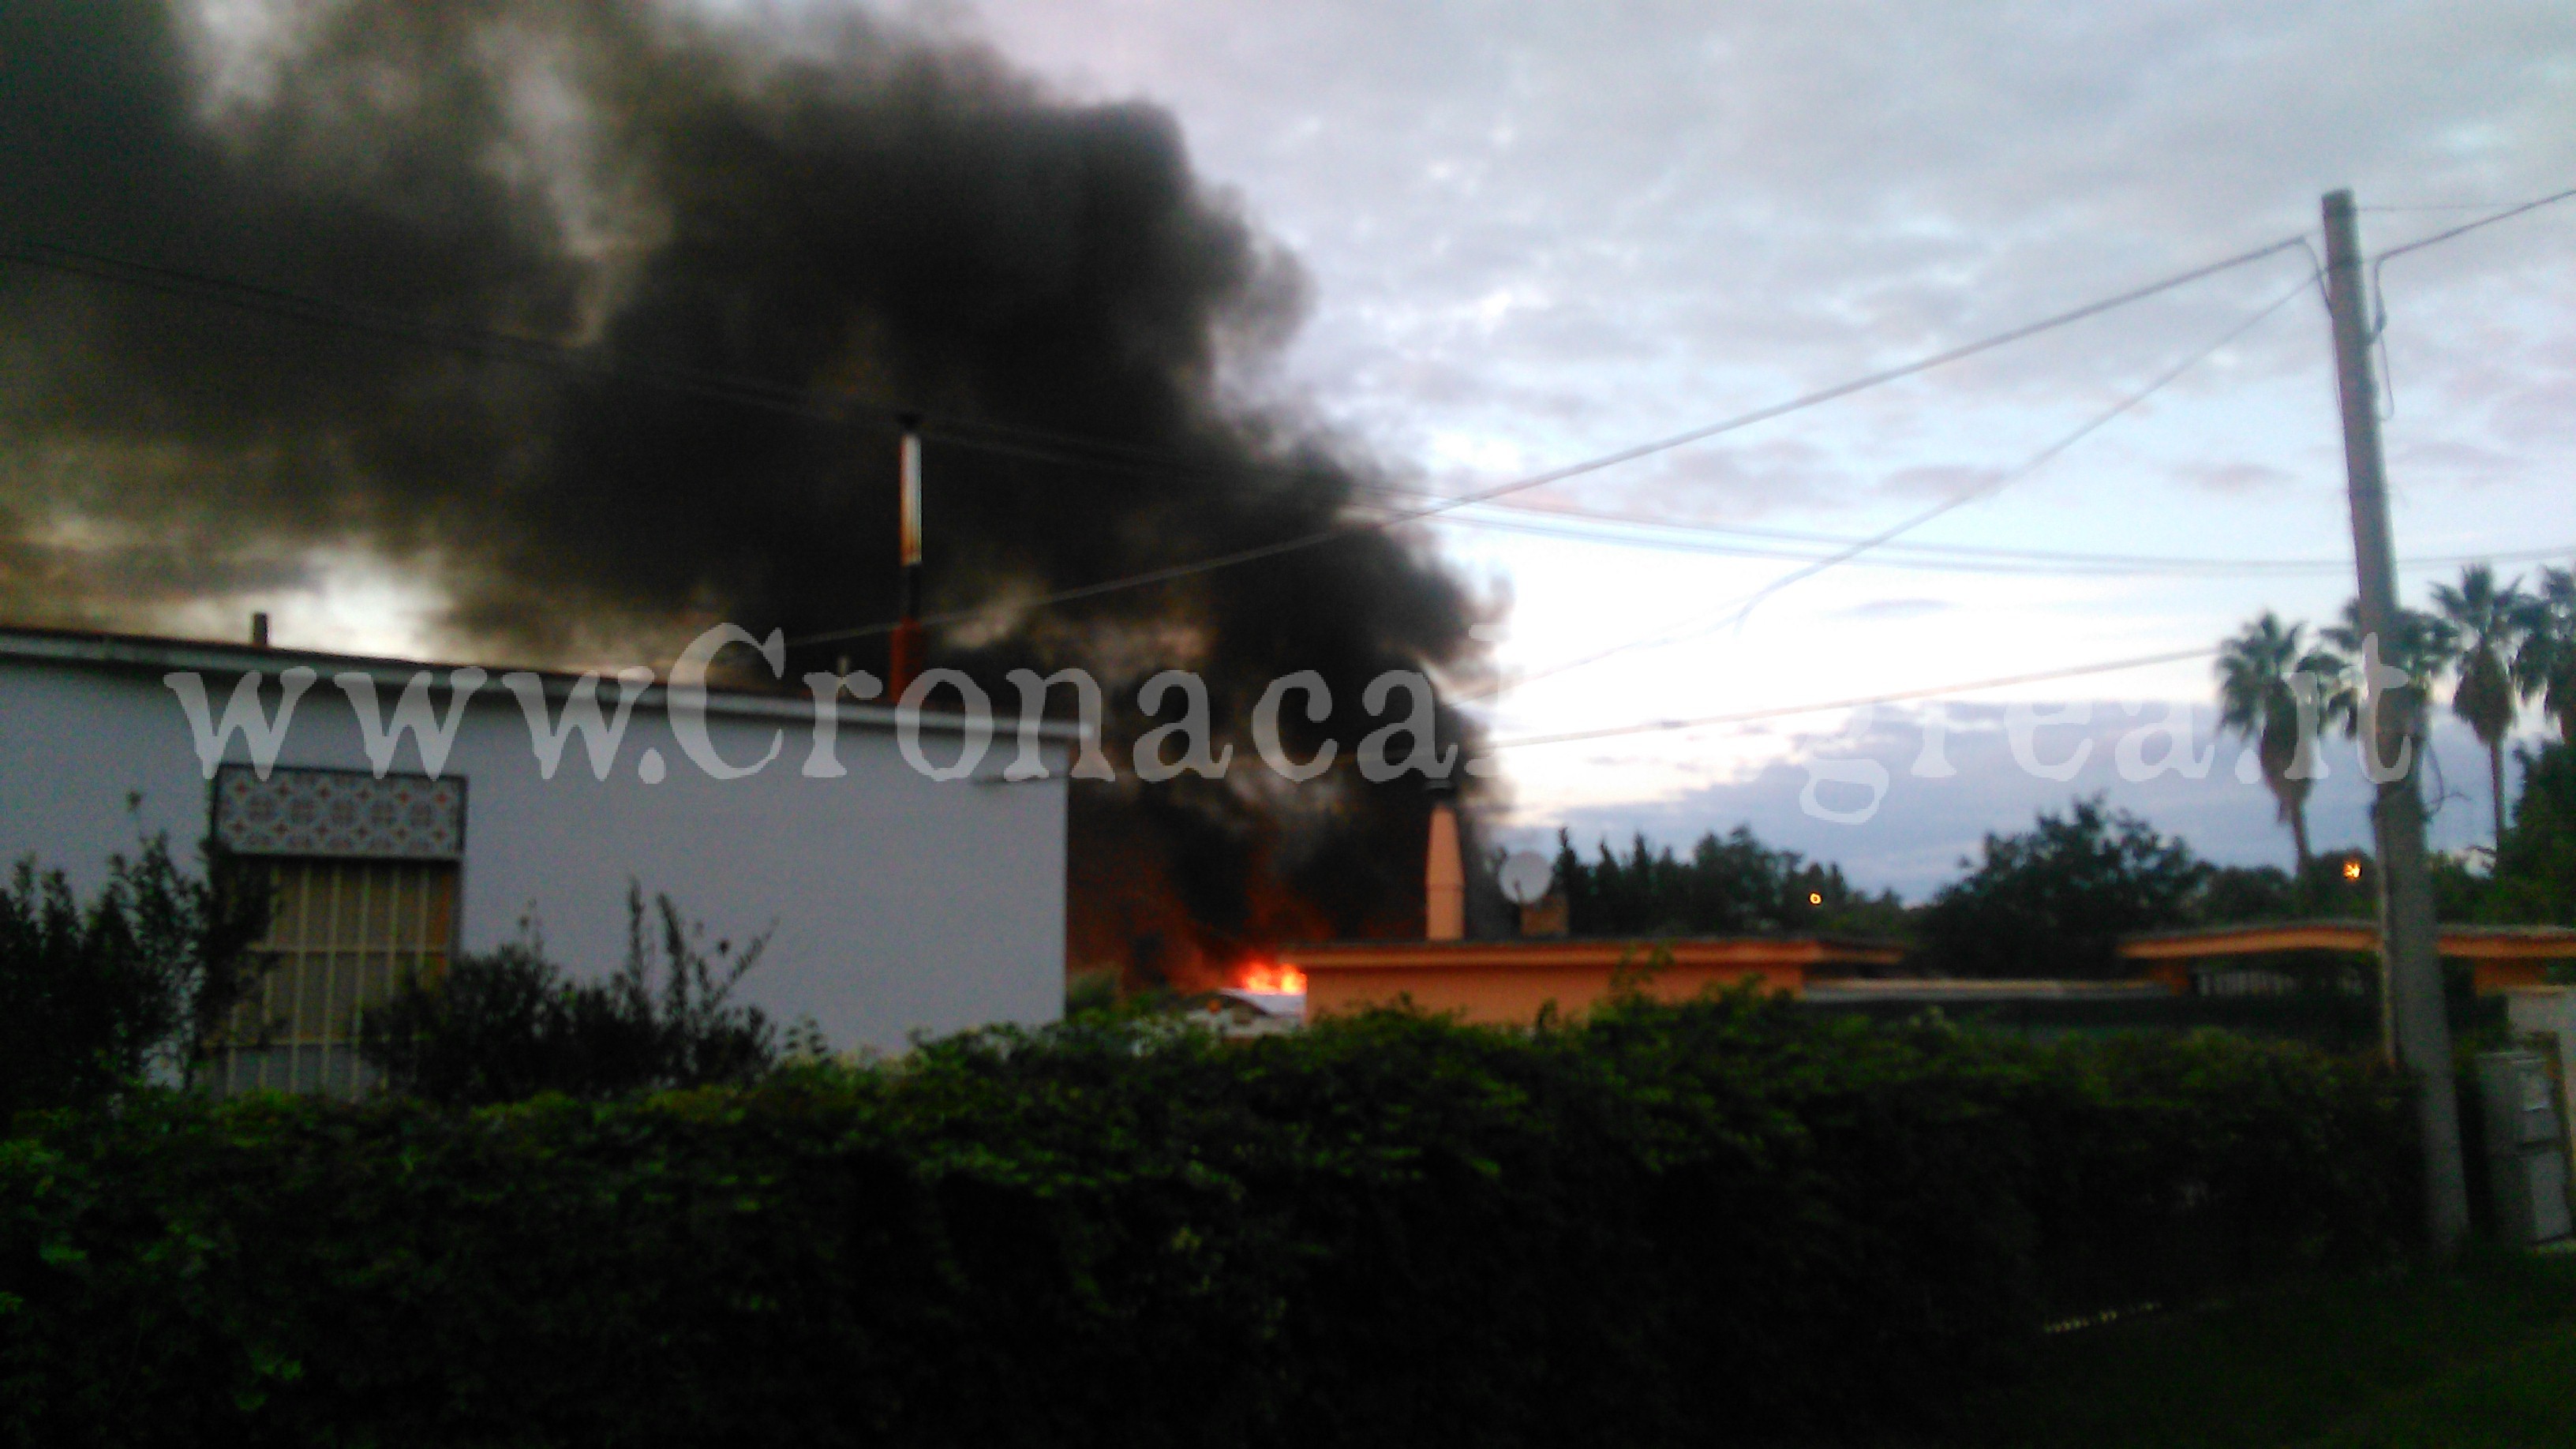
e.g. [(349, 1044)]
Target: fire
[(1272, 976)]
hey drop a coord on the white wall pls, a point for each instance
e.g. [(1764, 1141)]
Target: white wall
[(901, 903)]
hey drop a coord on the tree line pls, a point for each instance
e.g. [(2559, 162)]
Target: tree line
[(2499, 645), (2054, 900)]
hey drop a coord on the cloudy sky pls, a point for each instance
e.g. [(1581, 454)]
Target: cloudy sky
[(1538, 233), (1531, 235)]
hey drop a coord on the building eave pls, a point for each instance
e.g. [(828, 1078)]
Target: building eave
[(151, 654)]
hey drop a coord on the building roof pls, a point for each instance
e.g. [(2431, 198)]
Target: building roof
[(1557, 953), (1948, 992), (144, 653), (2466, 943)]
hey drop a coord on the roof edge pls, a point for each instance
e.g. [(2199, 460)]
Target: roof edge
[(146, 652)]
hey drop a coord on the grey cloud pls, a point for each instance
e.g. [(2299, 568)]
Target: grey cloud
[(1795, 193)]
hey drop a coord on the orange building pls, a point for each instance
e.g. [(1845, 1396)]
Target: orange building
[(1507, 982)]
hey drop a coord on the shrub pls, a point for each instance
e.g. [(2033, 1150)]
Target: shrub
[(1662, 1225), (96, 996), (508, 1025)]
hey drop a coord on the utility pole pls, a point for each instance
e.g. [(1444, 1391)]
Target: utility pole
[(2408, 944)]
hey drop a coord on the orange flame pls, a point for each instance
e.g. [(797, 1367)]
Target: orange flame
[(1272, 976)]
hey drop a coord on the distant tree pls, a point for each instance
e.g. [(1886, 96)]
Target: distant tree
[(2487, 624), (2235, 894), (2258, 700), (2544, 664), (2054, 900), (2420, 646), (2534, 879), (2339, 885), (98, 998), (1729, 885), (508, 1025)]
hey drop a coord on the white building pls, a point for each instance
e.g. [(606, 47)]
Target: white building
[(896, 902)]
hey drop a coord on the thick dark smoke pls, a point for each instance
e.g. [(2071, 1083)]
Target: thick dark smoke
[(841, 210)]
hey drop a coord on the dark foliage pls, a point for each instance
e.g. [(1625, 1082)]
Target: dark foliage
[(2054, 900), (2230, 894), (2235, 894), (95, 996), (507, 1026), (2535, 867), (1730, 885), (1664, 1226)]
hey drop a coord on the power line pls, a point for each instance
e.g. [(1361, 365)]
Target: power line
[(1004, 439), (2439, 237), (2446, 206), (1749, 716), (1860, 546), (2035, 462), (1968, 559), (1743, 605), (1173, 572), (595, 363), (1702, 536), (486, 342), (2379, 298)]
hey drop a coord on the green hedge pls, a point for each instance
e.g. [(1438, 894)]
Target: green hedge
[(1664, 1225)]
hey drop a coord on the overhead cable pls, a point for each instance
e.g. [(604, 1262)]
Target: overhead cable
[(1661, 726), (1296, 543)]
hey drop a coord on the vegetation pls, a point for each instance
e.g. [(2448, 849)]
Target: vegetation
[(2260, 683), (2486, 624), (1656, 1226), (98, 998), (2500, 645), (1730, 885), (509, 1025), (2430, 1359), (2055, 900), (2544, 666), (2534, 879)]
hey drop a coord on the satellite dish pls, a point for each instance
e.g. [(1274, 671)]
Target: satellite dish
[(1526, 876)]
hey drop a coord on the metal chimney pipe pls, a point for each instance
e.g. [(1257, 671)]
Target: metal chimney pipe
[(1444, 881), (259, 630), (905, 650)]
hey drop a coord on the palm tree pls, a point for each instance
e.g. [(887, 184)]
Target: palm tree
[(2545, 664), (2420, 645), (2486, 623), (2257, 701)]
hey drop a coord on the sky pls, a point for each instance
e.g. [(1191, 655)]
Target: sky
[(1534, 234), (1530, 235)]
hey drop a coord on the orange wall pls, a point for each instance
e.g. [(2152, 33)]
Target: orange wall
[(1512, 995)]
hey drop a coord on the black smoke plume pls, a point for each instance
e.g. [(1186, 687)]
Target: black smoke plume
[(742, 249)]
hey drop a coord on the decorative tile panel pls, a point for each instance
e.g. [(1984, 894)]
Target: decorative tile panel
[(339, 813)]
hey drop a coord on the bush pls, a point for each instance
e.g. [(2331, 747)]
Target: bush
[(95, 997), (1664, 1225), (508, 1025)]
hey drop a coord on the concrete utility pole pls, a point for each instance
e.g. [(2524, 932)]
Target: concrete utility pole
[(2407, 942)]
